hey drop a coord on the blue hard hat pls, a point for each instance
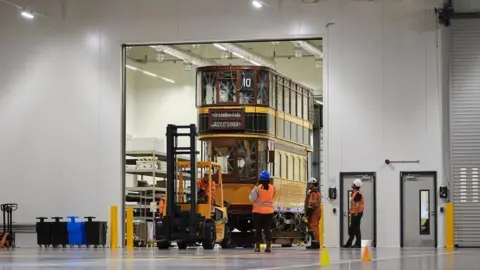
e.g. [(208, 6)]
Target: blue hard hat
[(264, 175)]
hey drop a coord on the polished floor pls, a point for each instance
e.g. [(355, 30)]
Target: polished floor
[(280, 258)]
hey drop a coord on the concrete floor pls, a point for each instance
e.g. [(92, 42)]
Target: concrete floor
[(280, 258)]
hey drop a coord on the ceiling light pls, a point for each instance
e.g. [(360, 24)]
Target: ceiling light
[(298, 52), (149, 73), (219, 46), (27, 14), (257, 4), (168, 80), (224, 55), (131, 67), (238, 55), (160, 57)]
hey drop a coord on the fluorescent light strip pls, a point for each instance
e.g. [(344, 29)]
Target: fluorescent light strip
[(27, 14), (150, 73), (219, 46)]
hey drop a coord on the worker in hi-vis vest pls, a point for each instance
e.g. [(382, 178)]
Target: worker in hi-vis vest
[(262, 197), (357, 205), (313, 211)]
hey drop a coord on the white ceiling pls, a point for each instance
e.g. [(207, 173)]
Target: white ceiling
[(303, 69)]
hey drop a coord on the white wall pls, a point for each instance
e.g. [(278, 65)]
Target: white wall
[(60, 92)]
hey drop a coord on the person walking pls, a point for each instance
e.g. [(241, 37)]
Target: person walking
[(312, 211), (357, 205), (262, 197)]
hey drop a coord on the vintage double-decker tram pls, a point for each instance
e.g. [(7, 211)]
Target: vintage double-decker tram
[(252, 118)]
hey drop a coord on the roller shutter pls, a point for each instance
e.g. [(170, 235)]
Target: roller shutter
[(465, 130)]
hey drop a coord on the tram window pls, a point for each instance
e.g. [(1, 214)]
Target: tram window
[(262, 84), (271, 124), (246, 86), (272, 84), (225, 157), (300, 134), (287, 130), (310, 108), (277, 163), (306, 135), (281, 128), (279, 97), (227, 86), (286, 91), (299, 102), (293, 102), (284, 167), (209, 88), (296, 169), (290, 167), (262, 155), (293, 134), (305, 105)]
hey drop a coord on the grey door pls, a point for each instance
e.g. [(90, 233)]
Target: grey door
[(367, 225), (418, 210)]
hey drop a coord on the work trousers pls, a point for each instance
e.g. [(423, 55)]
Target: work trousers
[(354, 229), (262, 222)]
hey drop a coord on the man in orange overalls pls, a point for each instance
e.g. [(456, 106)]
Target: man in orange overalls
[(202, 189), (313, 212)]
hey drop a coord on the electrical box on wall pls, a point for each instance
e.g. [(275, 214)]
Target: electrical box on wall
[(443, 192), (332, 193)]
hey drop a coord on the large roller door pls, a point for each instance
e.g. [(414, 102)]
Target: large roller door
[(465, 130)]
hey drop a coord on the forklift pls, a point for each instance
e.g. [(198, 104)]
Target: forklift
[(187, 220)]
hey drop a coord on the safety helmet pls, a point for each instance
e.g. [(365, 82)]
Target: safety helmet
[(312, 180), (264, 175), (357, 183)]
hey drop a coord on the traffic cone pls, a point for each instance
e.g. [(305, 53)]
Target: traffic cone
[(262, 246), (324, 260), (366, 256)]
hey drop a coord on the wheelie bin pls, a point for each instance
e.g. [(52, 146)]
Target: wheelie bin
[(44, 232), (95, 232), (59, 232), (76, 232)]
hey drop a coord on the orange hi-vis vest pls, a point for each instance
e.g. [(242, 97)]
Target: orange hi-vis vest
[(161, 205), (356, 207), (264, 202)]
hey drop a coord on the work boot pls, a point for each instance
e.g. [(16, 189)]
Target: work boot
[(357, 246), (257, 247), (347, 245), (314, 245), (269, 247)]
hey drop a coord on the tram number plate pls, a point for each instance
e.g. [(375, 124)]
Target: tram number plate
[(226, 119)]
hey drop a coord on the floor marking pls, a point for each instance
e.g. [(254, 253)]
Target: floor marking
[(359, 260)]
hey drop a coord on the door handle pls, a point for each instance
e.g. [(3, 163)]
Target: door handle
[(344, 214)]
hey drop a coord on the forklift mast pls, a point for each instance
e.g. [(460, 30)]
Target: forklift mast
[(174, 132)]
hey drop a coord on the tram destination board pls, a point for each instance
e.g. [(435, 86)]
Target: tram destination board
[(222, 119)]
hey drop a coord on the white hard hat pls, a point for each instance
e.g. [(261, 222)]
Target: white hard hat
[(312, 180), (357, 183)]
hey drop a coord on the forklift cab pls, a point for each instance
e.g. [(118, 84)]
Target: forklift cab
[(206, 223)]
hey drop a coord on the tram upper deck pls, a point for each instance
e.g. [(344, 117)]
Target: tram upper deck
[(255, 101)]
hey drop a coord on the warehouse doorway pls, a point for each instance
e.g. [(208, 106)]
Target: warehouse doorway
[(368, 223), (418, 204)]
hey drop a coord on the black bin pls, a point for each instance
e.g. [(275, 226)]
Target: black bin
[(95, 232), (44, 232), (59, 232)]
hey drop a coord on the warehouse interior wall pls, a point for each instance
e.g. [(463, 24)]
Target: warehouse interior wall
[(61, 93)]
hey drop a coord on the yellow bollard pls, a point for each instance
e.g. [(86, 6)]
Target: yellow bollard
[(113, 227), (320, 226), (449, 226), (130, 227)]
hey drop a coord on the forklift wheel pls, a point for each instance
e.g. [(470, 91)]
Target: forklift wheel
[(182, 245), (227, 240), (209, 236), (163, 244)]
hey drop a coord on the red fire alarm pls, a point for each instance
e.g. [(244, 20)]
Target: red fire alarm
[(387, 161)]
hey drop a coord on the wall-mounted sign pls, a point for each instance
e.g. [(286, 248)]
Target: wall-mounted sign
[(222, 119)]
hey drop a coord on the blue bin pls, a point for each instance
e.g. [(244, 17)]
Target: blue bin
[(76, 232)]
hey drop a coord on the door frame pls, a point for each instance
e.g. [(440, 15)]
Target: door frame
[(421, 173), (373, 175)]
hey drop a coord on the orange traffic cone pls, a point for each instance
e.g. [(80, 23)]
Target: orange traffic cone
[(366, 256)]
